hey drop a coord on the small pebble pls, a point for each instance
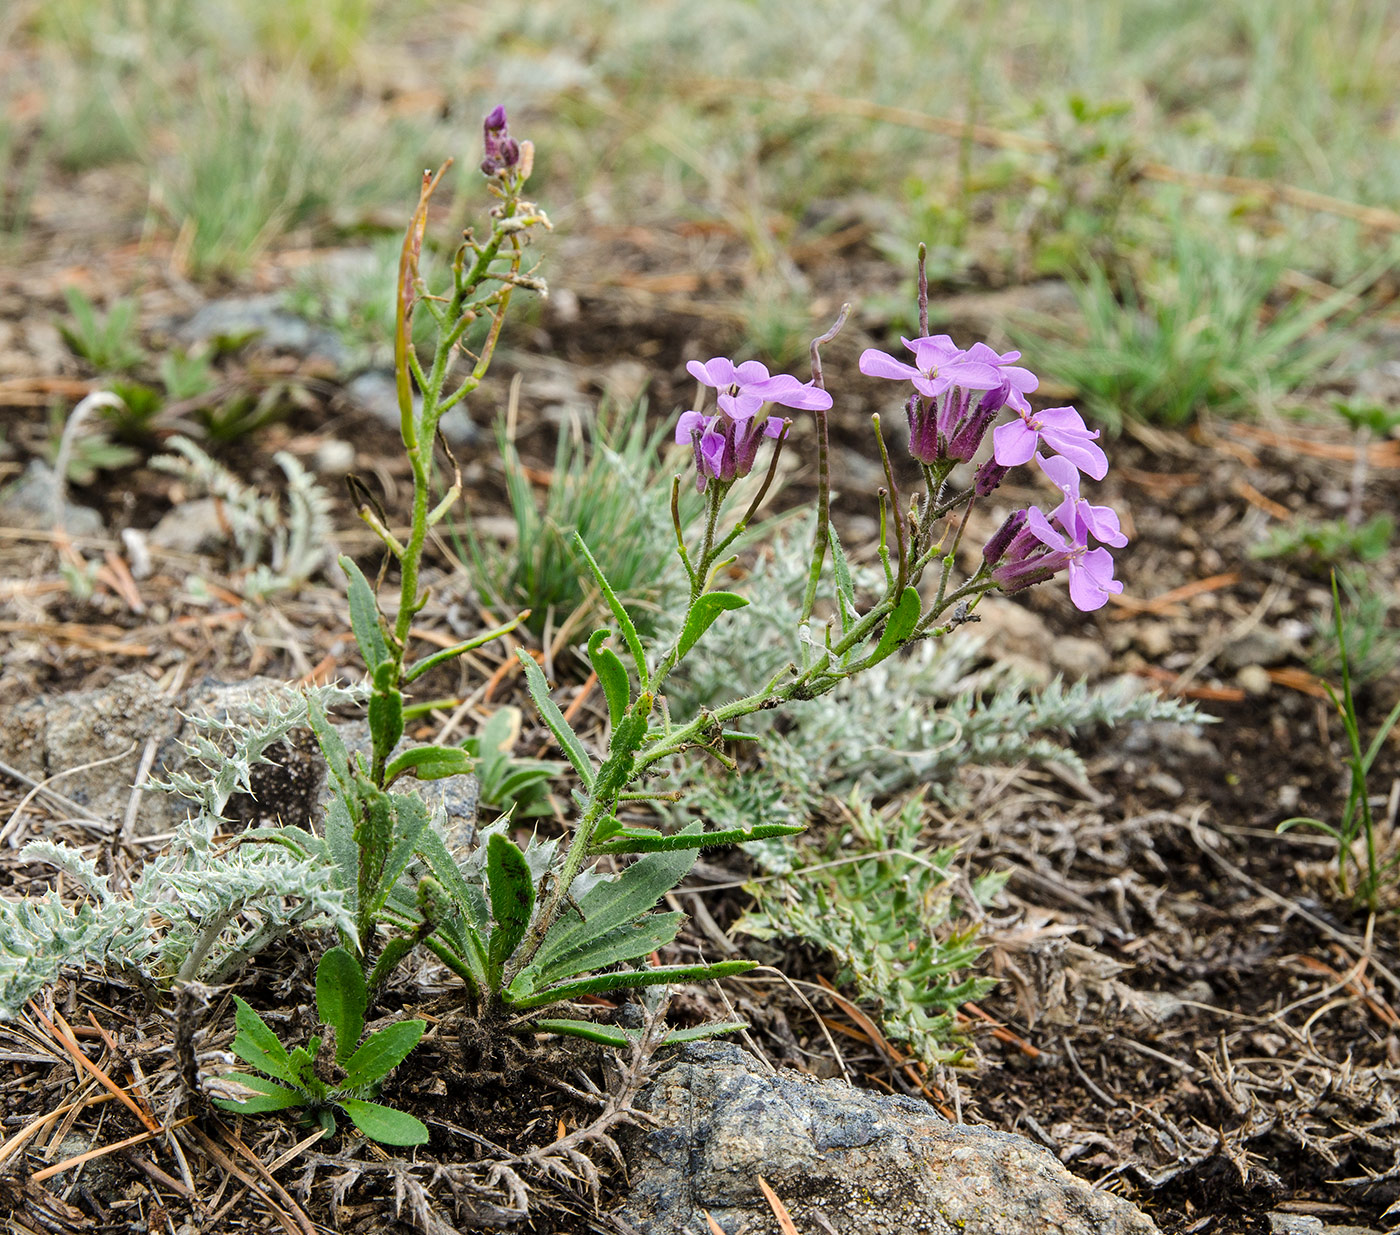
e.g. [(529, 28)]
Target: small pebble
[(1254, 680)]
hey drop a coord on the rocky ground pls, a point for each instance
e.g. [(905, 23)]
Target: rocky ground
[(1189, 1015)]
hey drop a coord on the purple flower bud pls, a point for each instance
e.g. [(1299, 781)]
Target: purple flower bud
[(988, 477), (995, 548), (502, 150)]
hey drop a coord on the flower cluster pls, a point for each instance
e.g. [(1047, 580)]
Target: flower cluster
[(727, 443), (956, 398), (947, 427)]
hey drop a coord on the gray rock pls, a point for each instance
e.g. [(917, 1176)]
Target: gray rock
[(268, 321), (191, 527), (28, 503), (1294, 1224), (58, 734), (840, 1159), (376, 393), (1261, 646), (1077, 657)]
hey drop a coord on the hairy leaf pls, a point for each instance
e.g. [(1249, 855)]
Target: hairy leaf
[(703, 614), (364, 617), (341, 999), (611, 673), (384, 1124), (382, 1052), (551, 715), (256, 1044), (512, 901)]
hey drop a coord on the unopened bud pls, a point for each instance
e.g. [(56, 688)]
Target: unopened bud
[(988, 477), (995, 548)]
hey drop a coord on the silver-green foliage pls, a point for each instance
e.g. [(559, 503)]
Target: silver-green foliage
[(278, 551), (917, 718), (198, 911), (884, 905)]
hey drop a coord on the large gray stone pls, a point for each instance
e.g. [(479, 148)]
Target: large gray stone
[(65, 733), (840, 1159)]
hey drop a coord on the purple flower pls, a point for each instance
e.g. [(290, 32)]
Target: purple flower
[(744, 389), (1075, 514), (502, 150), (938, 365), (725, 448), (1016, 382), (1060, 428), (1039, 551)]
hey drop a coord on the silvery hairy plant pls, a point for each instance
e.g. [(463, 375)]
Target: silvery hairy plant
[(199, 911)]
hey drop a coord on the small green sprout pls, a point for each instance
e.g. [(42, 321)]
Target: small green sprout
[(341, 1000)]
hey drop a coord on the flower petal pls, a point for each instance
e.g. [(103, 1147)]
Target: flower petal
[(689, 424), (1039, 527), (717, 373), (1013, 443), (750, 373), (879, 364)]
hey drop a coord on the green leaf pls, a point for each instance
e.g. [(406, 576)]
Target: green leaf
[(612, 674), (384, 1124), (345, 853), (628, 942), (341, 999), (616, 1035), (845, 588), (364, 617), (633, 978), (385, 715), (273, 1097), (382, 1052), (468, 898), (619, 611), (411, 819), (256, 1044), (512, 902), (899, 625), (614, 902), (415, 671), (332, 747), (703, 613), (648, 840), (551, 715), (429, 763)]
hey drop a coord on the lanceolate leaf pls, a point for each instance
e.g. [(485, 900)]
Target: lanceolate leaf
[(271, 1096), (647, 840), (364, 617), (337, 757), (551, 715), (256, 1044), (703, 614), (382, 1053), (604, 982), (341, 998), (512, 901), (384, 1124), (615, 902), (617, 1035), (628, 942), (429, 763), (411, 818), (611, 673), (468, 898), (340, 842), (619, 611), (899, 625), (845, 588)]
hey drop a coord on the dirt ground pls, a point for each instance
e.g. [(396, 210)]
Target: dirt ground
[(1188, 1013)]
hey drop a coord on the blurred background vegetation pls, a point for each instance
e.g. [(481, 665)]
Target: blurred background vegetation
[(1021, 138)]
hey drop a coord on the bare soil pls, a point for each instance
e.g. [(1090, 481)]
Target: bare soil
[(1189, 1011)]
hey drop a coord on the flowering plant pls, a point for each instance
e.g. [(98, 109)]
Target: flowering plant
[(529, 929)]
